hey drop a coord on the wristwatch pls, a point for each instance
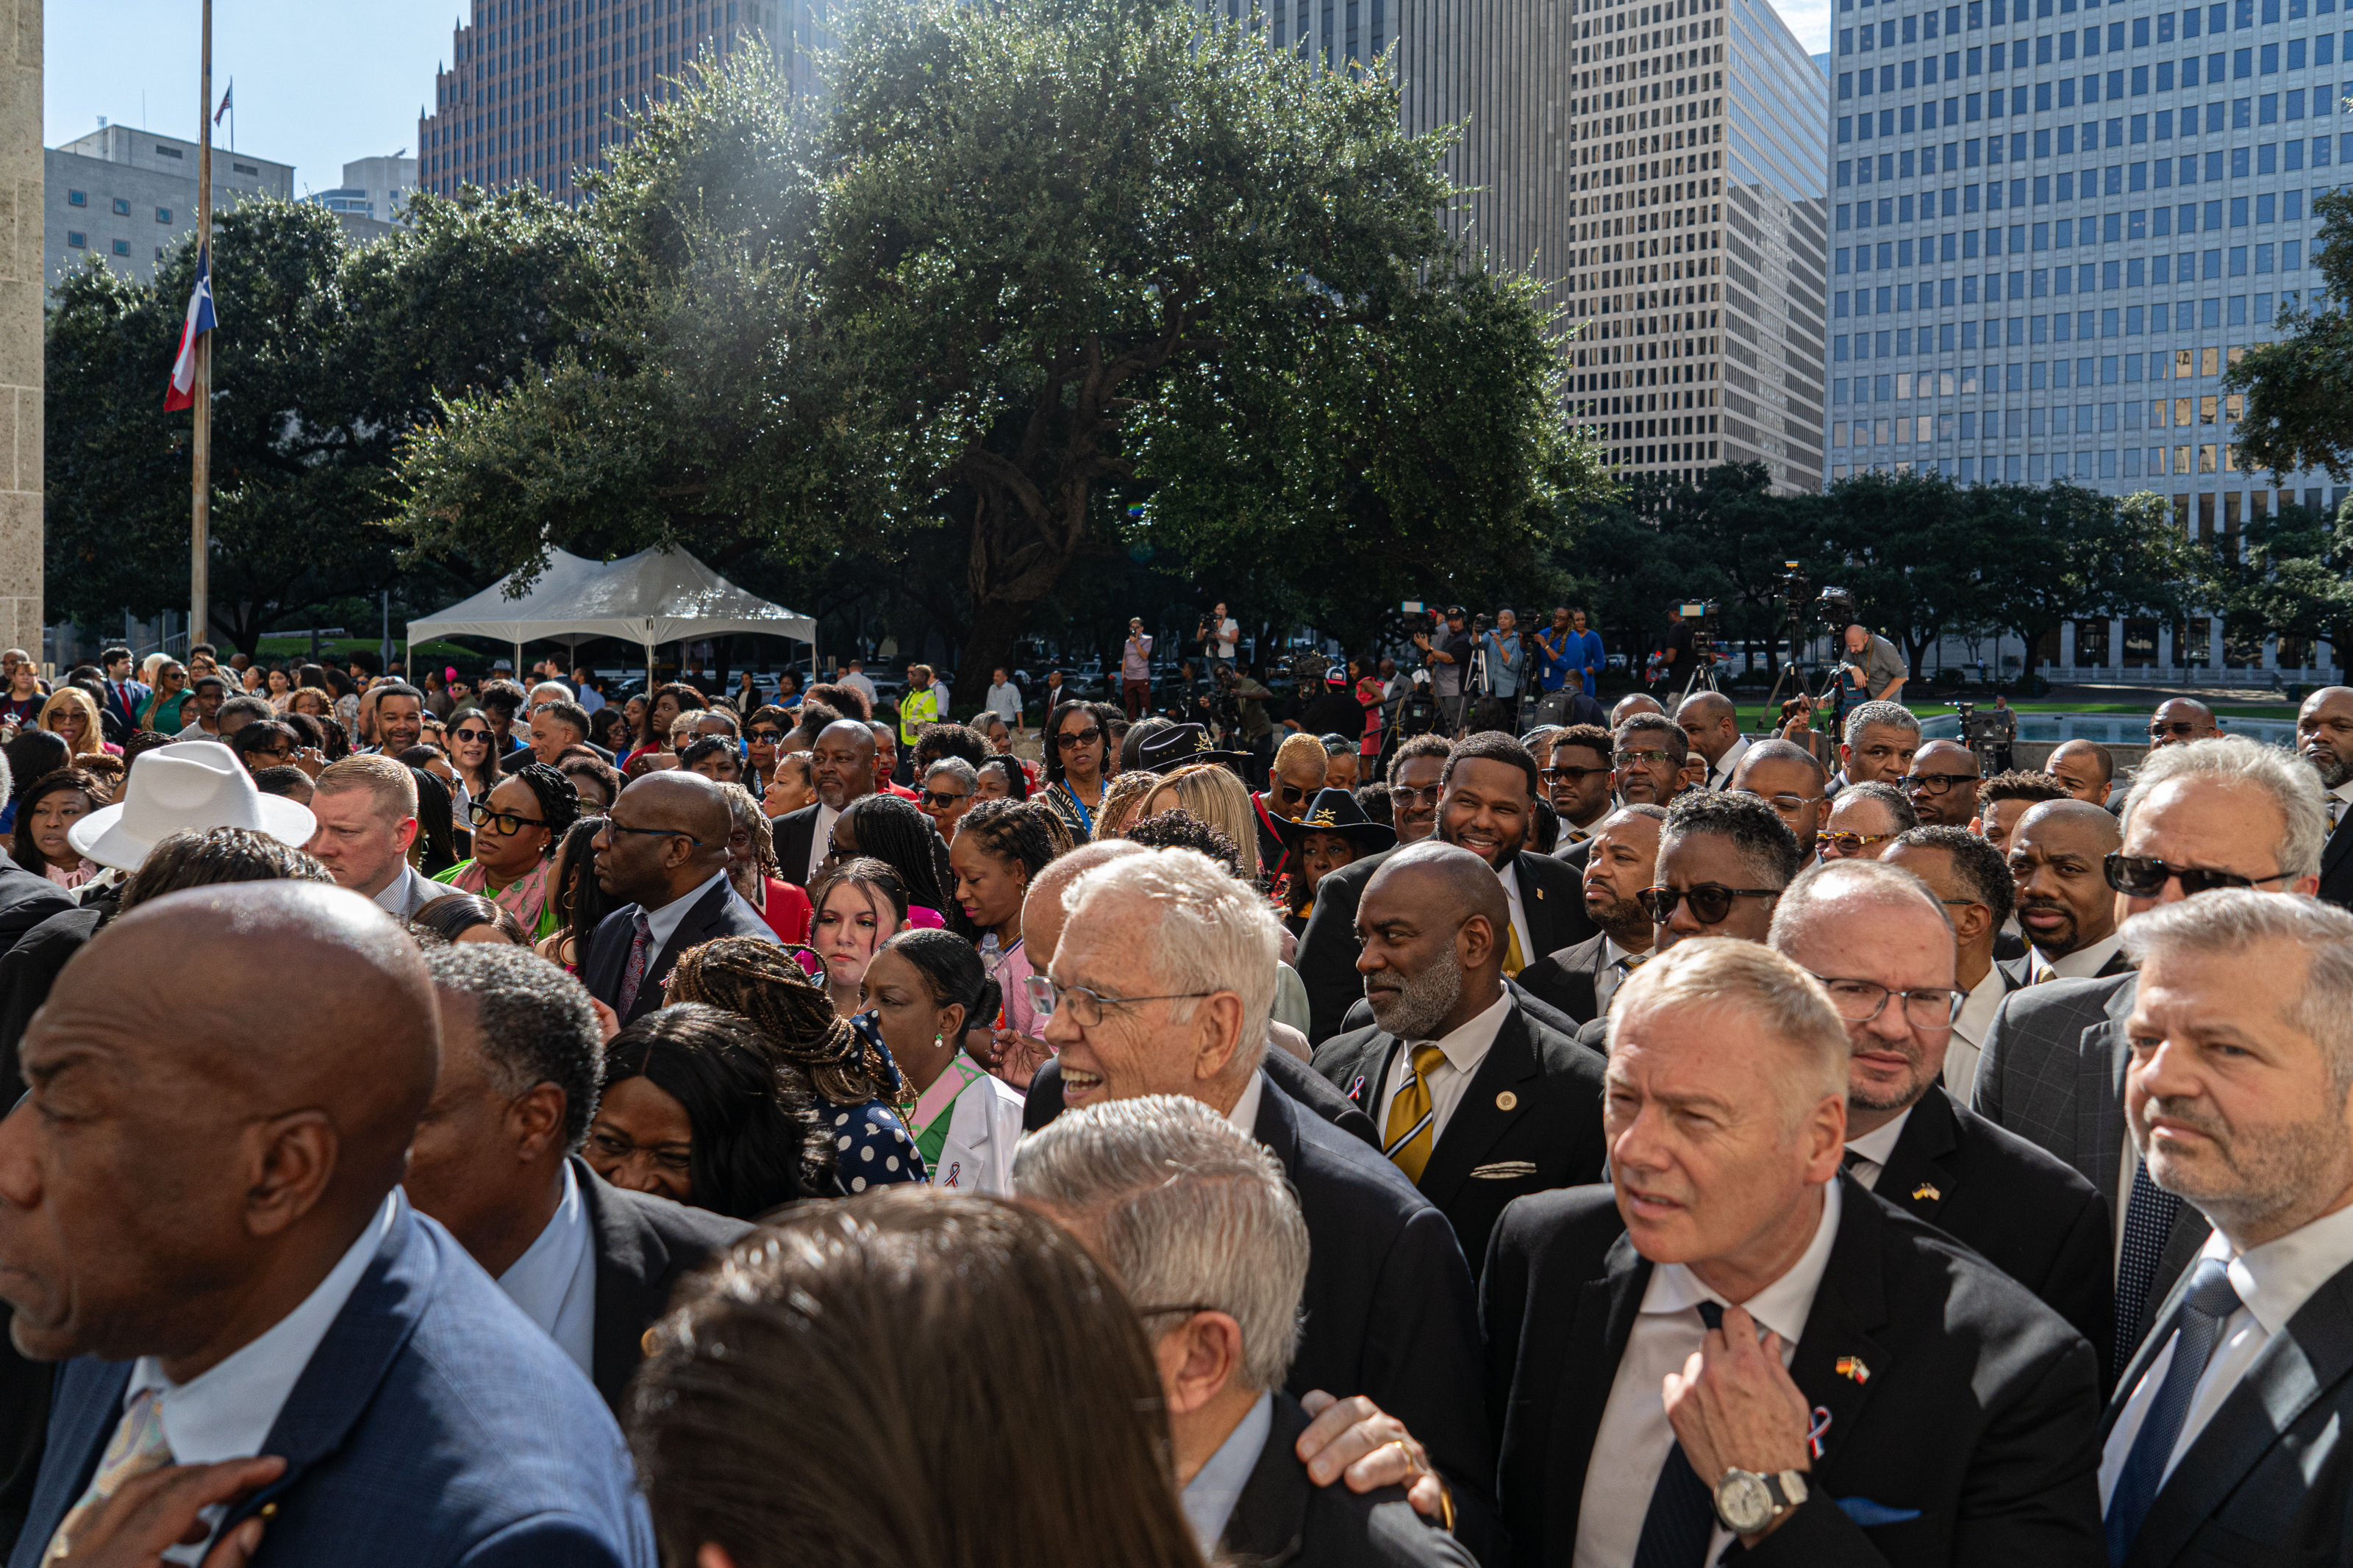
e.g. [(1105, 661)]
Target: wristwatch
[(1746, 1502)]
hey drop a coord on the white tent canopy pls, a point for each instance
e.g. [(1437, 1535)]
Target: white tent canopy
[(652, 597)]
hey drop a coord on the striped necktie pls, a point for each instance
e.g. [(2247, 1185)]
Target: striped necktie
[(137, 1446), (2205, 1305), (1412, 1129), (1681, 1520)]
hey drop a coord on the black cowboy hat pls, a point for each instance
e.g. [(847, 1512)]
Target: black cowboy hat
[(1183, 746), (1336, 811)]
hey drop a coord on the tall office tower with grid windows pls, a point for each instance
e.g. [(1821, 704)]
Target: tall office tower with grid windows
[(538, 90), (2053, 231), (1699, 266)]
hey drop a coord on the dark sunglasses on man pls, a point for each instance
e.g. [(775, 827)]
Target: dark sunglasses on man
[(2145, 876), (2158, 729), (1711, 902)]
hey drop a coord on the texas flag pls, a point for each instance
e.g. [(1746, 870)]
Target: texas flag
[(183, 391)]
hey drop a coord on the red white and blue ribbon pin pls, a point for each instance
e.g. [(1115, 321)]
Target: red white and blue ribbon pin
[(1819, 1424)]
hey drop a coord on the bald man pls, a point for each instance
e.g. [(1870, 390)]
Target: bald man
[(663, 852), (1477, 1102), (2179, 720), (843, 765), (200, 1220), (1942, 785), (2324, 737), (2085, 770), (1712, 724), (1792, 781), (2066, 910), (1633, 702)]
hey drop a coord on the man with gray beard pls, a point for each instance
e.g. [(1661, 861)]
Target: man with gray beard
[(2324, 735), (1478, 1103)]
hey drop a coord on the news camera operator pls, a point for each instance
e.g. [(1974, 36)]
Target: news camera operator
[(1234, 709), (1871, 671), (1447, 656), (1680, 652), (1502, 665)]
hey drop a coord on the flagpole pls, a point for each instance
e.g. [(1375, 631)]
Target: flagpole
[(199, 583)]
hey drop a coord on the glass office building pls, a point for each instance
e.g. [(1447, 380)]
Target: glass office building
[(2052, 232), (1698, 272)]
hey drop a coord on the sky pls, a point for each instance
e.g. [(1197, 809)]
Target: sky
[(318, 81), (1810, 20)]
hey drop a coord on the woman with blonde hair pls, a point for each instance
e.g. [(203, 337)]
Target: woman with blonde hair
[(1213, 794), (1122, 803), (71, 713)]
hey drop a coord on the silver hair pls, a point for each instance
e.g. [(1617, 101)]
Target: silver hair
[(1877, 713), (964, 773), (1784, 1000), (1212, 934), (2231, 919), (2292, 784), (1825, 880), (1187, 1209)]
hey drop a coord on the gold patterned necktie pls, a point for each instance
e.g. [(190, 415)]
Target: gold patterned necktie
[(1514, 960), (1412, 1129), (137, 1446)]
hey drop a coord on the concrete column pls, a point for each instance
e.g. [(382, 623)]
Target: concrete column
[(21, 289), (2270, 653), (2164, 651), (2116, 647), (2067, 644), (2214, 645)]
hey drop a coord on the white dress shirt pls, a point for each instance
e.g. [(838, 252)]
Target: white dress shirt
[(1968, 1041), (820, 841), (1870, 1151), (1243, 1117), (1631, 1443), (2083, 963), (1465, 1048), (2274, 1282), (407, 893), (226, 1411), (663, 922), (1720, 775), (1209, 1496), (2338, 799), (1510, 877), (555, 1282), (1612, 974)]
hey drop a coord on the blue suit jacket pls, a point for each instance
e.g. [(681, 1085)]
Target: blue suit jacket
[(434, 1425)]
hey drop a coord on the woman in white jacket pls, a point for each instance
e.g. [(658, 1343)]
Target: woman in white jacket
[(926, 990)]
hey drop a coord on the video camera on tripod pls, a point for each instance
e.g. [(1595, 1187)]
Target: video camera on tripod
[(1982, 733)]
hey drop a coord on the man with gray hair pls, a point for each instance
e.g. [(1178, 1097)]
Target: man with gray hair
[(2239, 1092), (1161, 985), (1198, 1221), (1876, 745), (1879, 941), (2218, 814), (1649, 759), (1731, 1341)]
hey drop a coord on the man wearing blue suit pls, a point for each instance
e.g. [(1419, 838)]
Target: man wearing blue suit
[(261, 1339)]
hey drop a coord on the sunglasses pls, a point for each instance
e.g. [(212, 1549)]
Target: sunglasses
[(1572, 775), (939, 800), (1287, 792), (472, 735), (765, 733), (1850, 843), (1070, 738), (1428, 795), (1710, 903), (2145, 876), (2182, 727)]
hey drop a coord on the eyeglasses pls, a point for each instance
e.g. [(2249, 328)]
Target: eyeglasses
[(1429, 795), (939, 800), (1710, 901), (1850, 843), (1933, 784), (472, 735), (1087, 1006), (613, 826), (1187, 1308), (481, 815), (2145, 876), (2181, 728), (1640, 759), (1925, 1008), (1570, 776), (1787, 804), (1086, 737)]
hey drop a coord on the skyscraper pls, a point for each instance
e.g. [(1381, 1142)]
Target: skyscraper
[(1698, 274)]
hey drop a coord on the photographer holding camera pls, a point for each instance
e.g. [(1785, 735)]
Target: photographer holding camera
[(1447, 659), (1218, 634), (1504, 657)]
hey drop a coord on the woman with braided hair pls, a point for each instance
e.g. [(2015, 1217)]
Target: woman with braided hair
[(1001, 846), (516, 829), (856, 1083), (884, 827)]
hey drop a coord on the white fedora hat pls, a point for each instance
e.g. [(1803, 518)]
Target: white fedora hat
[(193, 786)]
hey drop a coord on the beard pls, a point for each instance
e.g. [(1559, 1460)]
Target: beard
[(1916, 1082), (1621, 919), (2334, 770), (2248, 1179), (1415, 1012)]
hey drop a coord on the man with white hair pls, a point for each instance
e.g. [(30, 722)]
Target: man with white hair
[(2226, 1442), (1198, 1221), (1878, 939), (1162, 981), (1732, 1342), (2225, 813)]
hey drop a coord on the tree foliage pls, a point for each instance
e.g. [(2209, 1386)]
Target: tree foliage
[(2300, 388)]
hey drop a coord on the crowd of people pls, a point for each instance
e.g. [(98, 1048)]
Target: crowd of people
[(1633, 1138)]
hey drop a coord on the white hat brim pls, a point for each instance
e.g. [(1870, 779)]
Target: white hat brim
[(100, 836)]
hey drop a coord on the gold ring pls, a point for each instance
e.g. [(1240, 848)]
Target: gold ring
[(1412, 1465)]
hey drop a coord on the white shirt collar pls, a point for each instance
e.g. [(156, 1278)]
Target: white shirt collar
[(548, 1281), (821, 836), (1468, 1045), (1782, 1306), (226, 1411), (664, 921), (2344, 791), (1877, 1146), (393, 900), (1208, 1499), (1720, 775), (1243, 1117), (2081, 965), (2275, 1280)]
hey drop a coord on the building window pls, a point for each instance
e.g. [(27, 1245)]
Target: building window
[(246, 169), (76, 240), (163, 152), (121, 206), (76, 198), (122, 247), (163, 214)]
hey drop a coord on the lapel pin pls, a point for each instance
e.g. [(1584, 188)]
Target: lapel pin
[(1851, 1366), (1925, 1190), (1507, 1100), (1816, 1428), (1357, 1090)]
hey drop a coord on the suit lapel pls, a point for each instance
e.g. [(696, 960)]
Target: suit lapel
[(87, 1408), (629, 1257), (1363, 1075), (1837, 1357), (1914, 1178), (1535, 905), (2340, 844), (1268, 1526), (1604, 1318), (2100, 1104), (693, 930), (1480, 1118)]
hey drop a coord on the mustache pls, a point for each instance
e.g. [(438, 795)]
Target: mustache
[(2185, 1113)]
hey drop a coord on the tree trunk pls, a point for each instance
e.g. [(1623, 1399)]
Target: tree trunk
[(995, 638)]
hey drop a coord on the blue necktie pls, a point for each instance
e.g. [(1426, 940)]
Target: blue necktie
[(2205, 1305), (1682, 1506), (2150, 1214)]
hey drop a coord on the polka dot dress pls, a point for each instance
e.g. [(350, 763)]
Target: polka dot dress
[(870, 1146)]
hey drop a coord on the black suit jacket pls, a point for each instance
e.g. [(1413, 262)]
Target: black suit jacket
[(645, 1246), (2021, 1208), (1530, 1120), (1282, 1520), (1043, 1101), (2270, 1479), (794, 833), (27, 971), (2020, 971), (719, 913), (26, 898), (1566, 979), (1975, 1405), (1552, 895), (2337, 864)]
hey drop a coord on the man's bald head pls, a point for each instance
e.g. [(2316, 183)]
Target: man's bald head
[(2085, 769), (688, 802), (1436, 926), (1451, 883), (1042, 911), (1710, 722), (182, 1179), (2179, 720)]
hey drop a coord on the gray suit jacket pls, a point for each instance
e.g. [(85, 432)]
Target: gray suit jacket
[(2053, 1072)]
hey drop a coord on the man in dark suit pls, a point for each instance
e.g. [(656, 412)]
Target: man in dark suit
[(2324, 735), (1972, 883), (1388, 1302), (124, 696), (841, 769), (2058, 852), (1878, 937), (390, 1407), (2053, 1066), (664, 851), (497, 1161), (1477, 1103), (2225, 1442), (1200, 1223), (1579, 979), (1487, 799), (1909, 1405)]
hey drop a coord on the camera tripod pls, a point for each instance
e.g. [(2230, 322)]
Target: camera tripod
[(1795, 629)]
